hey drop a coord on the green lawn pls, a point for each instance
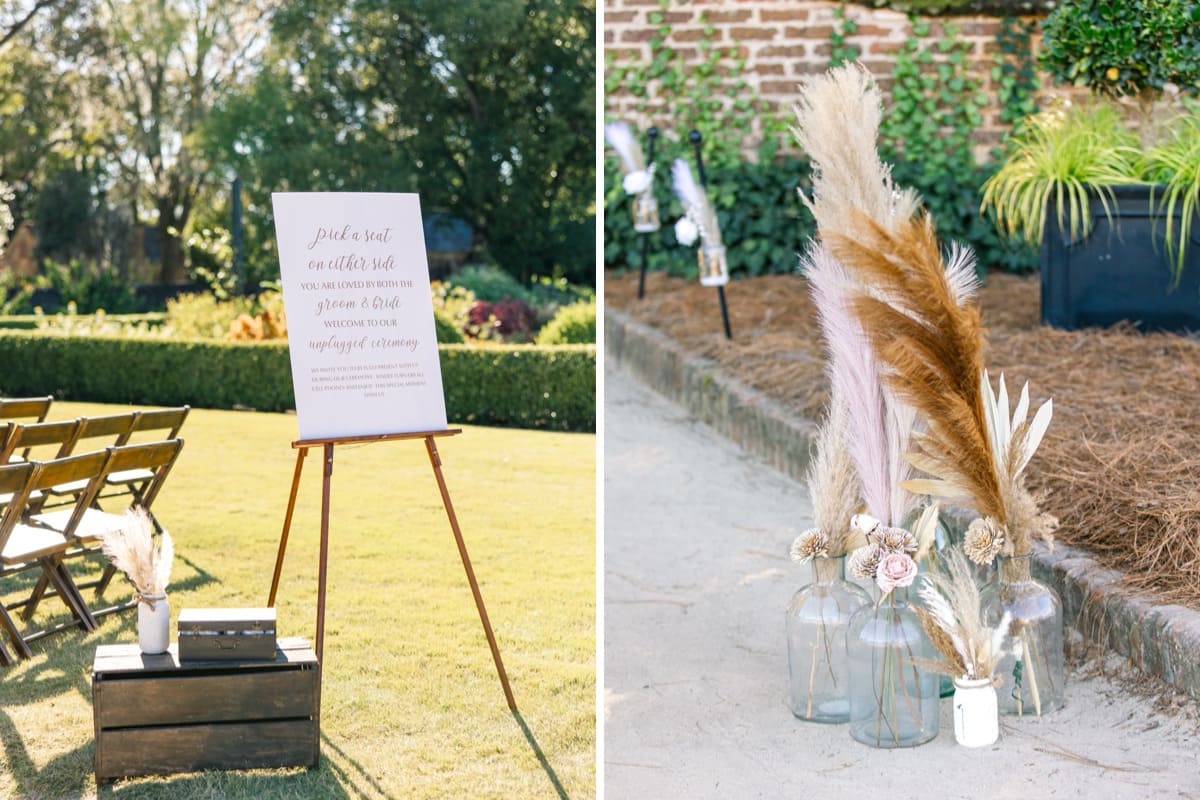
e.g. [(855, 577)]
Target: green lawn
[(411, 705)]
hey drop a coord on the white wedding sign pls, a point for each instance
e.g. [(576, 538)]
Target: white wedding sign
[(359, 314)]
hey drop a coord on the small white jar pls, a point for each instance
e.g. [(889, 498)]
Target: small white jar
[(976, 712)]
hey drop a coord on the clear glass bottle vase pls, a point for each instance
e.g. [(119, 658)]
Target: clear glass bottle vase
[(1032, 667), (892, 702), (817, 618)]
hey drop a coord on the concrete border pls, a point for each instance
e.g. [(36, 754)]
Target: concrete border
[(1162, 640)]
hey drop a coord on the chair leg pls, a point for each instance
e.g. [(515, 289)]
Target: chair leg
[(102, 583), (14, 635), (57, 574), (39, 590)]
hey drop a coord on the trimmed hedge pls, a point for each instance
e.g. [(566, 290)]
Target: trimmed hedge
[(30, 321), (517, 386)]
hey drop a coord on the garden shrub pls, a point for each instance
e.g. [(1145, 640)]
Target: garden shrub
[(528, 386), (573, 324), (203, 316), (509, 319), (91, 285), (487, 282)]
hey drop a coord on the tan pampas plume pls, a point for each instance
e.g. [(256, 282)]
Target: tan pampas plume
[(832, 482), (931, 345), (132, 549), (837, 124)]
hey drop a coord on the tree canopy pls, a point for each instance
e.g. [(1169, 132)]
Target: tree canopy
[(485, 109)]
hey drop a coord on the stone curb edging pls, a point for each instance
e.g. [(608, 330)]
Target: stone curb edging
[(1162, 640)]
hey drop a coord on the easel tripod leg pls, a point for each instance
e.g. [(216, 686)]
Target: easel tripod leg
[(436, 462), (324, 563), (287, 524)]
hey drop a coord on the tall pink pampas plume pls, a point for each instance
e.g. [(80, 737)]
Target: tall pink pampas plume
[(854, 380)]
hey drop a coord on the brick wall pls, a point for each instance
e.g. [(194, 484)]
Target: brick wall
[(781, 41)]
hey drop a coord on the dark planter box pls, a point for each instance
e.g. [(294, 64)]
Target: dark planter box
[(1121, 270)]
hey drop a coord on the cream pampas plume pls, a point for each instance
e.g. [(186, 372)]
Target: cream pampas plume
[(837, 124), (132, 549), (621, 139), (695, 202), (832, 482), (953, 620)]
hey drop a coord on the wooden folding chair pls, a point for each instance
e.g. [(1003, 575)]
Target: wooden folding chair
[(35, 408), (25, 436), (29, 409), (95, 433), (84, 523), (24, 546), (57, 437), (164, 424)]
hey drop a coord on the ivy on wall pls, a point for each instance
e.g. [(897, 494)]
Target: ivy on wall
[(936, 104)]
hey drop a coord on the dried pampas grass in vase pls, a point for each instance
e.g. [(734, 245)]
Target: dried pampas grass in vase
[(819, 613), (968, 648), (146, 562), (916, 307)]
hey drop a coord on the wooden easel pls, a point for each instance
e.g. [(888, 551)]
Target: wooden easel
[(302, 447)]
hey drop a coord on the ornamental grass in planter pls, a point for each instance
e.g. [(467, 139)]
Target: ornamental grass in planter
[(1114, 221), (1120, 203)]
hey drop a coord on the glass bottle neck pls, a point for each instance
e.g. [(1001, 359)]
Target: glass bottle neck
[(1014, 569), (828, 570)]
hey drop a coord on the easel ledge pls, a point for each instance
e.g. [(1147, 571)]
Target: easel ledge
[(302, 446), (374, 437)]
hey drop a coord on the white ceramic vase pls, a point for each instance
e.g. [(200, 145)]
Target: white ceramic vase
[(976, 712), (154, 623)]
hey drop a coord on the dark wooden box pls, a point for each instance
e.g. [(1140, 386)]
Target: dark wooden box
[(218, 634), (157, 716)]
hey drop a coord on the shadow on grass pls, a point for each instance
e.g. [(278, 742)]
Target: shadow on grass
[(346, 778), (541, 757), (321, 781), (67, 772)]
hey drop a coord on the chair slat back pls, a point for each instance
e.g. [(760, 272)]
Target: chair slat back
[(60, 435), (86, 466), (169, 420), (35, 408), (112, 429), (16, 479), (156, 456)]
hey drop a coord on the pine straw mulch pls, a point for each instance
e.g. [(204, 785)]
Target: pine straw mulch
[(1120, 464)]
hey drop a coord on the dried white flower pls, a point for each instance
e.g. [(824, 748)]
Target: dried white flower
[(813, 543), (686, 232), (636, 182), (897, 540), (984, 540), (864, 562), (864, 524)]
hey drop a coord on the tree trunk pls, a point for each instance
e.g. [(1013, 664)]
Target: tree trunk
[(172, 267)]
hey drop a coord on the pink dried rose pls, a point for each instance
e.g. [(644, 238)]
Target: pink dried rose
[(895, 569)]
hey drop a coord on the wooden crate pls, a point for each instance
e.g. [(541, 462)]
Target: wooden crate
[(156, 716)]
